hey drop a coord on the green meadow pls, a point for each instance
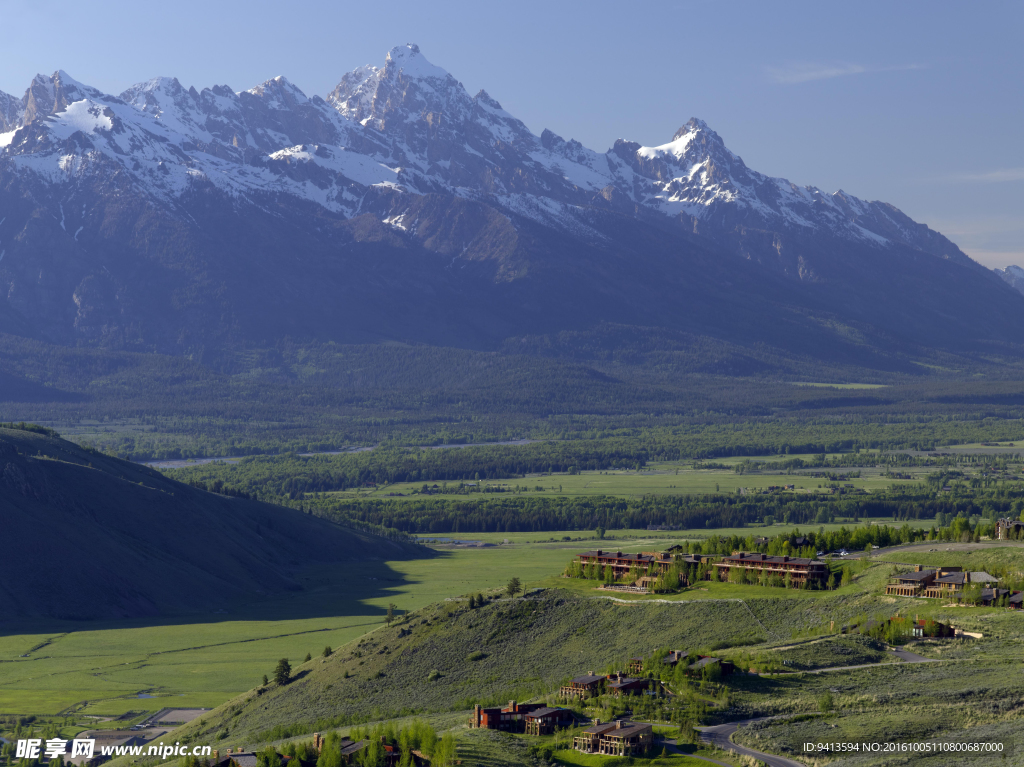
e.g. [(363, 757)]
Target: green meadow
[(101, 668), (662, 479)]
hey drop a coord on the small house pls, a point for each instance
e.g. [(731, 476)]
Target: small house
[(618, 738), (586, 686), (619, 685), (544, 721)]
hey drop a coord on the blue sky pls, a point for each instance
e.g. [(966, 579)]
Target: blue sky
[(918, 104)]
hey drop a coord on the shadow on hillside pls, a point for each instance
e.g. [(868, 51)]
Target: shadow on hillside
[(328, 590)]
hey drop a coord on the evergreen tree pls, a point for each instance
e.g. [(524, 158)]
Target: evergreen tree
[(514, 587), (283, 672)]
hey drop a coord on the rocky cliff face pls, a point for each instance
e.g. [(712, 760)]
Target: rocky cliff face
[(170, 217)]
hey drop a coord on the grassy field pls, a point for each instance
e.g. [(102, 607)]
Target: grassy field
[(204, 663), (661, 479)]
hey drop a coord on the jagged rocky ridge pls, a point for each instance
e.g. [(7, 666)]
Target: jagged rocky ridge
[(169, 217)]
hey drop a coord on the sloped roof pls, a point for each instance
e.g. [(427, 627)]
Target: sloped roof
[(915, 576), (353, 748), (746, 556), (705, 662), (626, 681), (540, 713), (598, 729), (628, 730)]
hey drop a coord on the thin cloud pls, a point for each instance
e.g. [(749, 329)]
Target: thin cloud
[(992, 176), (805, 72), (996, 259)]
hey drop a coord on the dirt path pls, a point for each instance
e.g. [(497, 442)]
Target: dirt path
[(905, 655)]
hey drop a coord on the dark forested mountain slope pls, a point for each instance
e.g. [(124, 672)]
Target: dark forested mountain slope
[(86, 536), (402, 208)]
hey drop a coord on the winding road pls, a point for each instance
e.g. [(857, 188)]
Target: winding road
[(720, 735)]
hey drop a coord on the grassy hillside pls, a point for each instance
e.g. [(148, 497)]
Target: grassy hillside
[(447, 656), (90, 536)]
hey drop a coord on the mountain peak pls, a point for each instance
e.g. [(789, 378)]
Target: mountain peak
[(279, 92), (408, 60), (49, 95), (694, 125)]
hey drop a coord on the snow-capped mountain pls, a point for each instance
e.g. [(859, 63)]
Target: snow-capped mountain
[(407, 146), (1013, 276), (412, 126)]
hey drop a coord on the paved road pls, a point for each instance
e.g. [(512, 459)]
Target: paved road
[(911, 657), (720, 736)]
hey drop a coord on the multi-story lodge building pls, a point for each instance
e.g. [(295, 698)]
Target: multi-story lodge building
[(724, 666), (623, 564), (941, 583), (586, 686), (913, 584), (636, 665), (1009, 528), (951, 584), (619, 738), (623, 685), (799, 570), (518, 716), (545, 721)]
